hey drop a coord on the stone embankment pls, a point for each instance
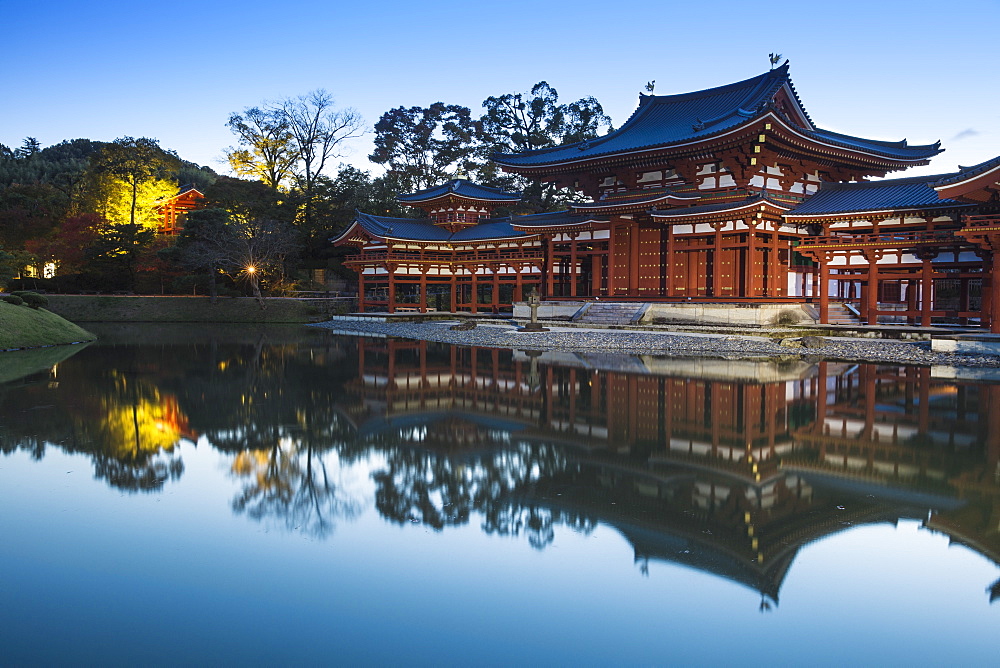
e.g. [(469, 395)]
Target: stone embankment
[(668, 343)]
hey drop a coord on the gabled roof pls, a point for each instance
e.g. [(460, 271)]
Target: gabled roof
[(667, 120), (187, 190), (884, 195), (460, 188)]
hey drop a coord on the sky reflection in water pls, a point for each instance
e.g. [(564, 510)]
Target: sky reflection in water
[(285, 495)]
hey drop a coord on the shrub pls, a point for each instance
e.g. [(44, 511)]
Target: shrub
[(787, 317), (12, 299), (32, 299)]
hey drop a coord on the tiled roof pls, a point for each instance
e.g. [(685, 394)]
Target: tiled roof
[(884, 195), (556, 218), (425, 230), (964, 173), (495, 229), (631, 199), (715, 208), (401, 228), (665, 120), (892, 149), (460, 188)]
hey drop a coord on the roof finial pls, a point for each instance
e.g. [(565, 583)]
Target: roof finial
[(650, 85), (774, 58)]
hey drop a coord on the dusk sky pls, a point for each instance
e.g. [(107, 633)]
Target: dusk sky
[(918, 70)]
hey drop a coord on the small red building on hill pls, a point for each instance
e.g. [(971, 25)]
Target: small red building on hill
[(173, 209)]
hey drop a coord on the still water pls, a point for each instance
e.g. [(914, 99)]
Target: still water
[(287, 495)]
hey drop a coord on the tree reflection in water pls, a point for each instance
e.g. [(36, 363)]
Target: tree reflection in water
[(292, 483), (436, 491), (122, 420)]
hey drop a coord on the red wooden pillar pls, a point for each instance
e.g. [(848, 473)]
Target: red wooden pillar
[(749, 271), (550, 269), (717, 260), (453, 302), (926, 287), (519, 283), (871, 304), (911, 301), (612, 233), (572, 264), (423, 289), (495, 298), (391, 298), (670, 267), (777, 287), (361, 290), (824, 287), (475, 288)]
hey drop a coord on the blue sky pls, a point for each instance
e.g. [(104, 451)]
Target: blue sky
[(877, 69)]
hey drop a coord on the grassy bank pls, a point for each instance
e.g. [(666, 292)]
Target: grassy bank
[(86, 308), (24, 327)]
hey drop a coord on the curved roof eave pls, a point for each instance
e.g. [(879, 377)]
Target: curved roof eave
[(738, 206), (967, 175), (930, 149)]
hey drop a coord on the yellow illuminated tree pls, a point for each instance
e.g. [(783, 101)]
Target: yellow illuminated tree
[(127, 179)]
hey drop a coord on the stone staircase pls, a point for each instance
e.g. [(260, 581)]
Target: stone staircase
[(609, 313), (841, 315)]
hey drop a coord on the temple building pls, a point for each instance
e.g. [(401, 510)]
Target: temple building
[(731, 195), (172, 209)]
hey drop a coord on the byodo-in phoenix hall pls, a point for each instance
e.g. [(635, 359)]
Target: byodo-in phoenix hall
[(729, 197)]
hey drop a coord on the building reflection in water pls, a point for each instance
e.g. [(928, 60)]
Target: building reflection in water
[(727, 466)]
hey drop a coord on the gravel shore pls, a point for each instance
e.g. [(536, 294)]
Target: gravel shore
[(660, 343)]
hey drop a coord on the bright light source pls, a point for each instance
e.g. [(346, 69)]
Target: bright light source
[(251, 269)]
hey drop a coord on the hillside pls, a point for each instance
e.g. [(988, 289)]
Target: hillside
[(24, 327)]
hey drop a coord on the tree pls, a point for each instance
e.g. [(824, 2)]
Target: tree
[(318, 130), (136, 171), (266, 149), (524, 122), (29, 147), (246, 247), (67, 244), (202, 245), (29, 211), (424, 146), (118, 249), (8, 268)]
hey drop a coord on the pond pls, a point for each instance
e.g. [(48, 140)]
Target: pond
[(287, 495)]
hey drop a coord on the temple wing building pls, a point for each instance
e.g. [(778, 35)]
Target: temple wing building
[(731, 195)]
